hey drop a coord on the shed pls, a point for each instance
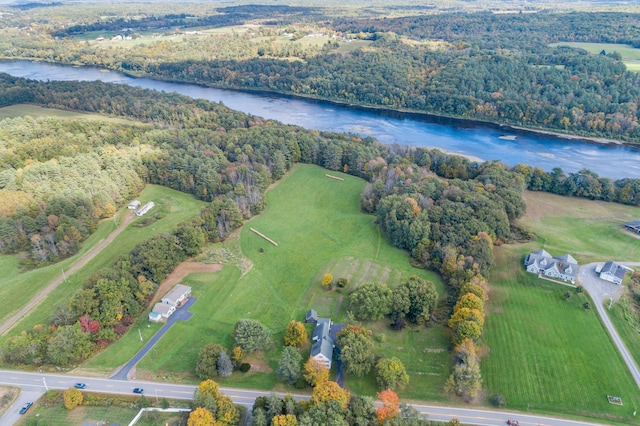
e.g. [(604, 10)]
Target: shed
[(311, 317)]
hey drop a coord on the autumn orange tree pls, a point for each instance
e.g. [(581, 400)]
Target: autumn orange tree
[(295, 334), (330, 391), (201, 417), (314, 372), (390, 406)]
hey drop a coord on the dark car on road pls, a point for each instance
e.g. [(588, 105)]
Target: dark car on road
[(25, 407), (138, 390), (79, 386)]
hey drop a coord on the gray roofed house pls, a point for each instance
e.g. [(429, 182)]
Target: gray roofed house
[(161, 312), (177, 296), (323, 340), (633, 226), (311, 317), (613, 272), (564, 267)]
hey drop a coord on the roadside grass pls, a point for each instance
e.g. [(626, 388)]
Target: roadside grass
[(627, 332), (21, 110), (547, 353), (317, 223), (590, 231), (177, 206), (630, 55)]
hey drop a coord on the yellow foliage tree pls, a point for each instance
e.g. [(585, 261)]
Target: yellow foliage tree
[(72, 398), (237, 354), (295, 334), (314, 372), (330, 391), (471, 301), (466, 314), (201, 417), (284, 420), (327, 280), (209, 388), (227, 414)]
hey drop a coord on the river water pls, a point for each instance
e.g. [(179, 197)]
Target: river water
[(475, 140)]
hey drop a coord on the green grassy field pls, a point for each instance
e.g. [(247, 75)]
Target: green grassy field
[(21, 110), (546, 353), (630, 55), (630, 335), (177, 206), (549, 354), (318, 227), (591, 231)]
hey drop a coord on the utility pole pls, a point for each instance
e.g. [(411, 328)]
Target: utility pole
[(140, 333), (64, 276), (44, 382)]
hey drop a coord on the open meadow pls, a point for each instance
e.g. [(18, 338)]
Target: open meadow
[(630, 55), (319, 228), (20, 288), (545, 351), (21, 110)]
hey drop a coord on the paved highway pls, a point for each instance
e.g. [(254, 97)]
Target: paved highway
[(35, 384)]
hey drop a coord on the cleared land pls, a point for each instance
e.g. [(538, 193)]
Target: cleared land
[(547, 353), (319, 227), (176, 206), (21, 110), (630, 55)]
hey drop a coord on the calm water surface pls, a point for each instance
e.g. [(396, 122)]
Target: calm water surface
[(477, 140)]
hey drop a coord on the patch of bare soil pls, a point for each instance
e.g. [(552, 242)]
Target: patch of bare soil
[(258, 364), (181, 271)]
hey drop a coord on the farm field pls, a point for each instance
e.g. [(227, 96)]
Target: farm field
[(630, 55), (177, 207), (21, 110), (548, 353), (319, 228)]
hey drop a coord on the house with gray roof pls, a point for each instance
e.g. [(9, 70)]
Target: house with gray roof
[(613, 272), (324, 339), (540, 262), (177, 296)]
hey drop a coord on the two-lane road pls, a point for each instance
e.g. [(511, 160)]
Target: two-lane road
[(34, 384)]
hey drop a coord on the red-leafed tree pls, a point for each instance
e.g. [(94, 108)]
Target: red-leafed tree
[(88, 325), (390, 406)]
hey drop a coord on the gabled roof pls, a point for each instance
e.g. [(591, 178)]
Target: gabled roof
[(567, 258), (178, 291), (614, 269), (311, 316), (322, 343), (161, 308), (541, 253)]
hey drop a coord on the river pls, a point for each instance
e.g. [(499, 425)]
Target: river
[(474, 140)]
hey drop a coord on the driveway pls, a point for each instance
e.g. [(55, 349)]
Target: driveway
[(181, 314), (602, 291)]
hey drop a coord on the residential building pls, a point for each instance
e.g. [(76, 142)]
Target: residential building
[(613, 272), (323, 339), (564, 267), (177, 296), (161, 312)]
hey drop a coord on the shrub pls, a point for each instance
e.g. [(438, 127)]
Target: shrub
[(244, 367), (72, 398), (499, 400), (342, 282), (327, 280)]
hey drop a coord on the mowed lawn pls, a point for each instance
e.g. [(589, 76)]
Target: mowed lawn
[(176, 206), (21, 110), (319, 228), (592, 231), (547, 353)]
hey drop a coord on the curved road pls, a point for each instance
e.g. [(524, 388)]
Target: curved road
[(34, 384), (83, 260), (602, 291)]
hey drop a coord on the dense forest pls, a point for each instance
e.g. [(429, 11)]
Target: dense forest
[(483, 66)]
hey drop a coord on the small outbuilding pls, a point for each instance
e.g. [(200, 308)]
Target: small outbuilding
[(311, 317), (134, 205), (633, 226), (613, 272)]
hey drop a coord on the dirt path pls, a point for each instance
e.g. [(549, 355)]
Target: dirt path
[(82, 261), (181, 271)]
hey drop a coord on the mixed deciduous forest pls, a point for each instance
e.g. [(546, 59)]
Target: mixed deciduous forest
[(485, 66)]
